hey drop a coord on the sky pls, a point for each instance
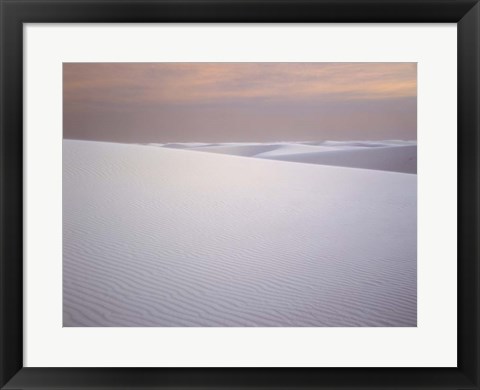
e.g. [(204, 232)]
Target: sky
[(239, 102)]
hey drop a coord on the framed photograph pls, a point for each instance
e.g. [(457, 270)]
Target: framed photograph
[(239, 194)]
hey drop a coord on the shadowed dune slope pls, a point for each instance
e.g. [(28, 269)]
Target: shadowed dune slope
[(166, 237), (247, 150), (395, 159), (393, 155)]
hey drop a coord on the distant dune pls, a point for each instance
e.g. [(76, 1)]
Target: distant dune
[(394, 155), (246, 150), (159, 236), (395, 159)]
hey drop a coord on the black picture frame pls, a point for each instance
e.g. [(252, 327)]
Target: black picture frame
[(14, 13)]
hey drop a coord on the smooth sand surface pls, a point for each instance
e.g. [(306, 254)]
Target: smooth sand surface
[(246, 150), (394, 155), (154, 236), (395, 158)]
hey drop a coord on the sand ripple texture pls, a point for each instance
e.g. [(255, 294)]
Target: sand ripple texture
[(168, 237)]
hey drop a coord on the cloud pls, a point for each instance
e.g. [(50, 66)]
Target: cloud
[(115, 85), (209, 102)]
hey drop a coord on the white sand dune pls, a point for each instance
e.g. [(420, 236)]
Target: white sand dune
[(362, 144), (287, 149), (392, 155), (395, 159), (187, 145), (246, 150), (154, 236)]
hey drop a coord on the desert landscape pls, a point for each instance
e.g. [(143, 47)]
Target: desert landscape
[(291, 234), (239, 194)]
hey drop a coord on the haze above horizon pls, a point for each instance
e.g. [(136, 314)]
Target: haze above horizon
[(239, 102)]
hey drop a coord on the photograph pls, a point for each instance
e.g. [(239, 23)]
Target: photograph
[(239, 194)]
